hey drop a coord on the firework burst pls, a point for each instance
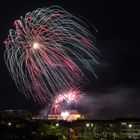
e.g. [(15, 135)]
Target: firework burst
[(46, 52), (66, 99)]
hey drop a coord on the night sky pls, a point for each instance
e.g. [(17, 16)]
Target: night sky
[(116, 92)]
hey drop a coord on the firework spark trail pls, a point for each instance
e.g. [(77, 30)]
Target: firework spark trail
[(46, 51)]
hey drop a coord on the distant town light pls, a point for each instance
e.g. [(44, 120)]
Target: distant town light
[(123, 123), (9, 124), (91, 124), (111, 125), (87, 125), (71, 130), (57, 124), (130, 125)]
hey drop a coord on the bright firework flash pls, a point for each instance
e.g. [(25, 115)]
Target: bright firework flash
[(48, 51), (66, 99), (65, 115)]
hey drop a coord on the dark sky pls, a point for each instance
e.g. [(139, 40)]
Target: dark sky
[(117, 90)]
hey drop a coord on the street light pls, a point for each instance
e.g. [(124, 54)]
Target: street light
[(130, 129), (87, 128), (130, 125), (91, 124), (57, 124), (9, 123), (87, 125)]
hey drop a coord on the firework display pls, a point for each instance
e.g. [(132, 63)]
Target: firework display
[(48, 51), (65, 99)]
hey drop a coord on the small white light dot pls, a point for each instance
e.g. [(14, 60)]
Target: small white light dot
[(87, 124), (130, 125), (9, 124), (57, 124)]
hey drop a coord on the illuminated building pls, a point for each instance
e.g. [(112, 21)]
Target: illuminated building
[(68, 115)]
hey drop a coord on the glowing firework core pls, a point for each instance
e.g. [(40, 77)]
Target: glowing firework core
[(36, 45), (65, 115)]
